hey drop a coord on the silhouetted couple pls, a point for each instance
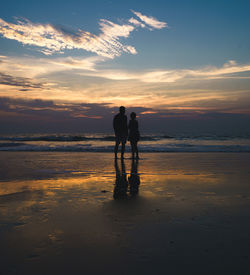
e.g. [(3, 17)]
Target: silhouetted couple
[(124, 131)]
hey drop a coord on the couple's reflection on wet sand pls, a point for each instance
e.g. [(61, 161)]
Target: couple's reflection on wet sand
[(126, 188)]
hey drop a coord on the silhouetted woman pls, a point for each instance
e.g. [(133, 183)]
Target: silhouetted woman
[(134, 134)]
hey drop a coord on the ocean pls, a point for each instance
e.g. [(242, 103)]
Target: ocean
[(104, 142)]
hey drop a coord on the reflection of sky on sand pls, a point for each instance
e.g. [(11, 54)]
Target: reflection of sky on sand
[(190, 176), (71, 212)]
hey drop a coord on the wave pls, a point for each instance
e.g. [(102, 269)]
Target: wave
[(10, 144), (62, 138), (90, 148), (103, 137), (69, 138)]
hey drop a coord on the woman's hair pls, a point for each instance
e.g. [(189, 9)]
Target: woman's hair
[(133, 115)]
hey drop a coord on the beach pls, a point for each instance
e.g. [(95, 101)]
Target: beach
[(85, 213)]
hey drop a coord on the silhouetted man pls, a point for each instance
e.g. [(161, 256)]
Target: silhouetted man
[(121, 130)]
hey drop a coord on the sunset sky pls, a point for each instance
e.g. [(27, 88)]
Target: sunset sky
[(68, 65)]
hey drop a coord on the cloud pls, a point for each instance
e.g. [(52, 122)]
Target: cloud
[(229, 69), (23, 115), (136, 22), (167, 76), (150, 21), (6, 79), (30, 67), (53, 109), (27, 115), (55, 39), (74, 79), (88, 64)]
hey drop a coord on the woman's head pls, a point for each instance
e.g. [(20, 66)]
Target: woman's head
[(133, 115)]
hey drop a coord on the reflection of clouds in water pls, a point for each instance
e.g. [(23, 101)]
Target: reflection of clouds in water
[(184, 179), (55, 236)]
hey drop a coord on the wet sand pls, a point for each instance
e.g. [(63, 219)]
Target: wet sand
[(82, 213)]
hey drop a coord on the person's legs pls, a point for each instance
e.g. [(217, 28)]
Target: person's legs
[(136, 150), (132, 148), (123, 149), (117, 142)]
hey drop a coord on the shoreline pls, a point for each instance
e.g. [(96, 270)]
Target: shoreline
[(126, 152)]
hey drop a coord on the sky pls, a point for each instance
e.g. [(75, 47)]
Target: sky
[(67, 66)]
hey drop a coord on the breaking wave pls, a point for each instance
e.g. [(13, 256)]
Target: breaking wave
[(103, 137), (142, 148)]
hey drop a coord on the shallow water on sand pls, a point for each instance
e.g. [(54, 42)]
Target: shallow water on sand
[(71, 213)]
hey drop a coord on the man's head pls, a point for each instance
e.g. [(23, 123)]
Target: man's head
[(122, 110)]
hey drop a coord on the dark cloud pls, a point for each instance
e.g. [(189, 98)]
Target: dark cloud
[(66, 31), (46, 116), (23, 82)]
